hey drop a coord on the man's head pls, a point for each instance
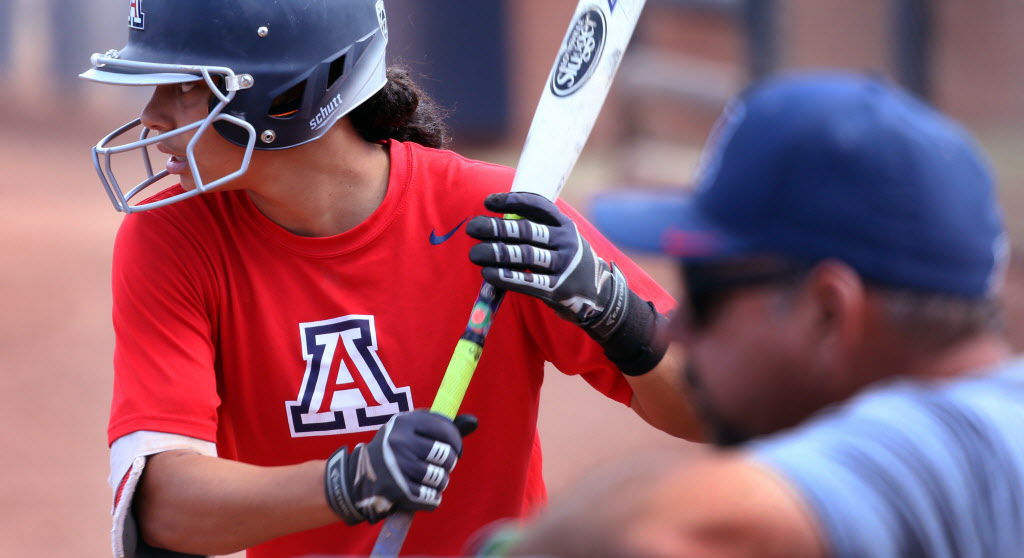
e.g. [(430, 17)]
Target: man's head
[(840, 232)]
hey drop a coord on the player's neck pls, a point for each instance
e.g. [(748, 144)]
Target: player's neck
[(323, 188)]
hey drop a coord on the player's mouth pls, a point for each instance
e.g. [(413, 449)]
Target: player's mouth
[(176, 164)]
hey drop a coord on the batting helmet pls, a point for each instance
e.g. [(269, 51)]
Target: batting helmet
[(281, 73)]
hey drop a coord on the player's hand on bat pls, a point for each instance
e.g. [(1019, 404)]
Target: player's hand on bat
[(543, 255), (406, 466)]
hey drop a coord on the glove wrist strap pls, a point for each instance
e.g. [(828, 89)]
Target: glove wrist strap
[(635, 346), (604, 325), (336, 487)]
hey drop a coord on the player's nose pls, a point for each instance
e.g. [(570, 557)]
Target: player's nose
[(157, 115)]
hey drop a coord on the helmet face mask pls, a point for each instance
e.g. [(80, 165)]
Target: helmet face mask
[(168, 74), (281, 74)]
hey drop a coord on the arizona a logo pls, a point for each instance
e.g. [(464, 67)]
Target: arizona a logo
[(345, 387), (136, 19)]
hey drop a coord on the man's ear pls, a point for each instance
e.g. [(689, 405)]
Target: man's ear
[(833, 302)]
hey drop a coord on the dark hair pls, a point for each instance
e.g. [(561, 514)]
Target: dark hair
[(402, 111)]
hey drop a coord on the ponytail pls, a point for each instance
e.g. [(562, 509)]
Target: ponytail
[(402, 111)]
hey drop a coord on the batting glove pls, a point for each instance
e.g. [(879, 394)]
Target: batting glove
[(543, 255), (406, 466)]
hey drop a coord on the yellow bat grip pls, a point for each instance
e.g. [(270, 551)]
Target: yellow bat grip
[(456, 378), (460, 371)]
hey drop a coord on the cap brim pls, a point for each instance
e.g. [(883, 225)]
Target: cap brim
[(121, 78), (660, 222)]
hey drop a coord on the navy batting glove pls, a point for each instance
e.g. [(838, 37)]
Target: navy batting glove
[(406, 466), (543, 255)]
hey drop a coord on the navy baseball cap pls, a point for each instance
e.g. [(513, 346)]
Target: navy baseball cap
[(830, 165)]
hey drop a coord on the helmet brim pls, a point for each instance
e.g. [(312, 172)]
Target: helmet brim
[(121, 78)]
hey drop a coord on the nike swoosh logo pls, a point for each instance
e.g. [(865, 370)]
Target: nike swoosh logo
[(435, 239)]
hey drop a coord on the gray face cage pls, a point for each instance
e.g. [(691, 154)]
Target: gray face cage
[(169, 74)]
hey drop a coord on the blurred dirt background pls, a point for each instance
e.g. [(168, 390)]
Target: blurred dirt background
[(689, 56)]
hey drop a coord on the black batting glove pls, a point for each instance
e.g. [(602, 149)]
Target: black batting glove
[(405, 466), (543, 255)]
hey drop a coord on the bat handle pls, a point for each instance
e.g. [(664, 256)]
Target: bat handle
[(392, 535), (448, 400), (467, 352)]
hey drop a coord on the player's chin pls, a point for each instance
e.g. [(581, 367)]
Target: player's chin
[(187, 182)]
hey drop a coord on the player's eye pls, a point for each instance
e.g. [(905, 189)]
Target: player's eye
[(187, 86)]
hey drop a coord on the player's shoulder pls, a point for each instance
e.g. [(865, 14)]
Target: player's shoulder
[(190, 222), (194, 210), (449, 171)]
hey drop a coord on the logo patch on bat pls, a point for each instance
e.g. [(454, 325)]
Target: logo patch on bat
[(580, 54), (136, 19)]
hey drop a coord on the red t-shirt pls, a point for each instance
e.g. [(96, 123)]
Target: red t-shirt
[(282, 348)]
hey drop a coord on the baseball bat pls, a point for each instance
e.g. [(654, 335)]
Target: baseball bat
[(572, 98)]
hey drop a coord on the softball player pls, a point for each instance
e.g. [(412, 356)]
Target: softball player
[(842, 253), (281, 311)]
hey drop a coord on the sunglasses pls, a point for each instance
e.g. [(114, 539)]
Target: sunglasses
[(709, 285)]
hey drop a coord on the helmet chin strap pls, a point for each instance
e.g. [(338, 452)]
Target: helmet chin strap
[(103, 153)]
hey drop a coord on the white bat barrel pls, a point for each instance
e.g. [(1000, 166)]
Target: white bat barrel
[(574, 93)]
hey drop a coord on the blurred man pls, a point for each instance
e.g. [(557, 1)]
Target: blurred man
[(842, 255)]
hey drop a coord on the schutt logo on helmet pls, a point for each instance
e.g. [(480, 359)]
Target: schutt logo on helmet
[(323, 116), (580, 54)]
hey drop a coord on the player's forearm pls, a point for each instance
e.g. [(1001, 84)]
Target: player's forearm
[(205, 505), (659, 397)]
